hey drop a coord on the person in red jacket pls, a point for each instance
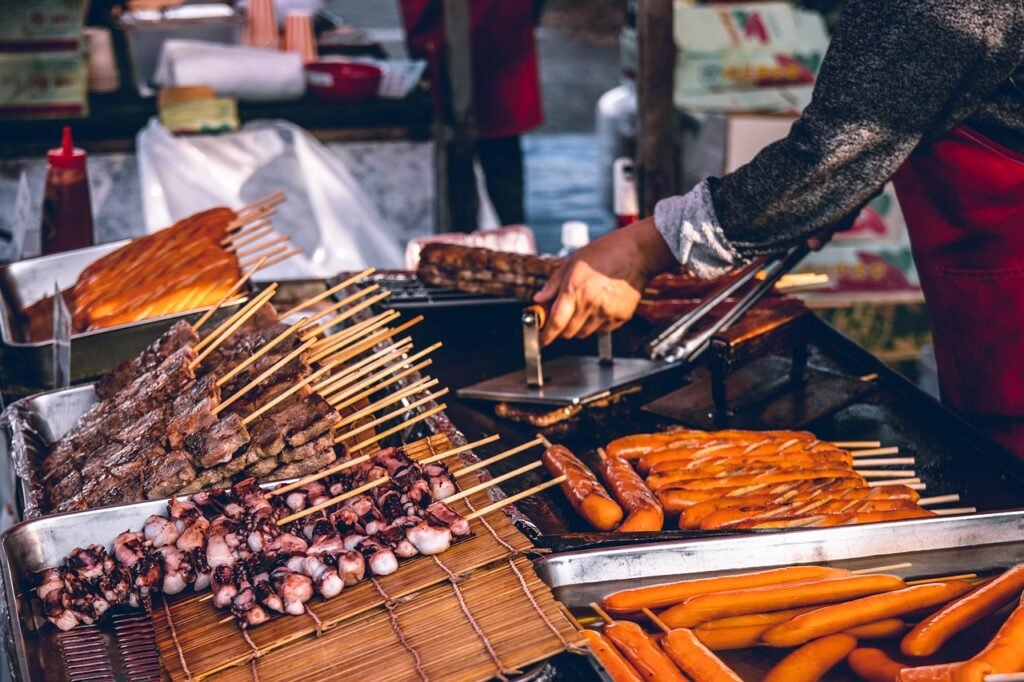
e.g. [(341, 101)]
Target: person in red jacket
[(506, 86)]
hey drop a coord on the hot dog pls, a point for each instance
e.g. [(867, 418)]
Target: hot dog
[(644, 655), (810, 662), (829, 520), (644, 512), (1004, 654), (658, 596), (617, 667), (867, 609), (728, 518), (706, 607), (683, 477), (726, 639), (752, 619), (694, 659), (585, 493), (931, 633), (659, 481), (676, 499), (632, 447), (883, 629), (835, 458), (873, 665)]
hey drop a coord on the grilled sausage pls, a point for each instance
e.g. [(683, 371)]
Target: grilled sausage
[(645, 656), (873, 665), (617, 667), (643, 511), (694, 659), (585, 493)]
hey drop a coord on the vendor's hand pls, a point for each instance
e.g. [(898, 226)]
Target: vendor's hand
[(598, 288)]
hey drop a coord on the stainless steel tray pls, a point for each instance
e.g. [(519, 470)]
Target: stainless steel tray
[(27, 366), (934, 547)]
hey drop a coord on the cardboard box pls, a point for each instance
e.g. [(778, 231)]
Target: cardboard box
[(42, 24), (43, 84)]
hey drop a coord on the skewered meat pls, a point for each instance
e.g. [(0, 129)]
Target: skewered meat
[(328, 582), (128, 548), (223, 584), (160, 531), (294, 589), (429, 539)]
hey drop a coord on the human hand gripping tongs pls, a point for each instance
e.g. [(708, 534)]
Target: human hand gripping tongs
[(675, 345)]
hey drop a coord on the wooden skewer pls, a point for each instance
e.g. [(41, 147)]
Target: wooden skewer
[(455, 451), (334, 343), (395, 429), (312, 478), (262, 246), (938, 499), (248, 311), (601, 612), (565, 612), (857, 444), (356, 399), (262, 377), (874, 452), (348, 300), (516, 498), (269, 253), (886, 473), (206, 340), (363, 328), (346, 338), (367, 364), (942, 579), (658, 622), (393, 363), (498, 457), (266, 348), (249, 218), (494, 481), (284, 395), (376, 338), (347, 314), (881, 569), (235, 288), (410, 390), (247, 235), (912, 483), (274, 260), (391, 415), (955, 511), (334, 500), (885, 461), (272, 199), (330, 292)]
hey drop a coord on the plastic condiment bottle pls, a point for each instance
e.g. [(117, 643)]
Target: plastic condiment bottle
[(575, 235), (67, 209)]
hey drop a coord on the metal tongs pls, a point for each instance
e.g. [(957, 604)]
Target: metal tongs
[(670, 345)]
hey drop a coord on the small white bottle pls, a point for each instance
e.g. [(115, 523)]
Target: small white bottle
[(575, 235)]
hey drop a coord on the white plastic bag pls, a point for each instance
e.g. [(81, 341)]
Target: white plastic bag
[(327, 213)]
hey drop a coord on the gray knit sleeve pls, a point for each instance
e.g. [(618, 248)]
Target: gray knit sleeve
[(690, 228)]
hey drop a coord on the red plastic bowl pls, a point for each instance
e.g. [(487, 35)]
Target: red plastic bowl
[(343, 82)]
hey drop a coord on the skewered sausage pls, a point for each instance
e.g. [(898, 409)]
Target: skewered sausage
[(705, 607), (644, 512), (645, 656), (868, 609), (694, 659), (810, 662), (617, 667), (585, 493), (659, 596)]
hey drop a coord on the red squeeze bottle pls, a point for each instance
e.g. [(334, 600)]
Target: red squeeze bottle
[(67, 209)]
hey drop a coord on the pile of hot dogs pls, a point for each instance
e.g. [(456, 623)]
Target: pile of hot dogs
[(713, 480), (823, 615)]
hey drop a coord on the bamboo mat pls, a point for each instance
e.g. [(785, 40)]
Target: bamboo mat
[(476, 612)]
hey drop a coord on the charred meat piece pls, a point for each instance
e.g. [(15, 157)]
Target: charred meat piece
[(167, 472), (178, 336), (215, 444)]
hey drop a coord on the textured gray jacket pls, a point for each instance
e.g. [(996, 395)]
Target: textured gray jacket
[(897, 73)]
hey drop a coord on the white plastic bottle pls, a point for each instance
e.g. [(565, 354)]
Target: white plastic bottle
[(575, 235)]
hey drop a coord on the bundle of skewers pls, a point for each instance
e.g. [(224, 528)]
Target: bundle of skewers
[(743, 480), (187, 266), (264, 552), (823, 616), (256, 396)]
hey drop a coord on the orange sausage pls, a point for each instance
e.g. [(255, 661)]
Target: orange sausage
[(868, 609), (706, 607), (1005, 653), (873, 665), (694, 659), (806, 459), (883, 629), (617, 667), (644, 512), (747, 620), (810, 662), (656, 482), (726, 639), (658, 596), (585, 493), (931, 633), (645, 656), (728, 518), (829, 520), (676, 499)]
